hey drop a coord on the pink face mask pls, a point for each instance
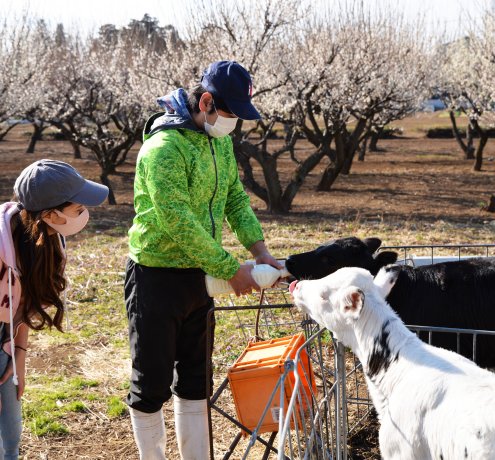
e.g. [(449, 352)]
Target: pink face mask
[(72, 225)]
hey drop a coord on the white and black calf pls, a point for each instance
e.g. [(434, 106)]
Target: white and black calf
[(432, 403), (458, 294)]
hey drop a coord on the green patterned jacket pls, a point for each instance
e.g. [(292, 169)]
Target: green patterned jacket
[(186, 184)]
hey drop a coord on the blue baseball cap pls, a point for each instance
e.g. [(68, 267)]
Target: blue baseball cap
[(232, 83), (46, 184)]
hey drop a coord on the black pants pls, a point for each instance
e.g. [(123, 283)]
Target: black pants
[(167, 313)]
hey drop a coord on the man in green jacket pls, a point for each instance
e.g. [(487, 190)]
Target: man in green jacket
[(186, 185)]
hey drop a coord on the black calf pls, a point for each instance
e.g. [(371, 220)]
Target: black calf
[(344, 252), (458, 294)]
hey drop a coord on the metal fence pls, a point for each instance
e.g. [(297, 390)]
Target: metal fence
[(255, 318), (322, 413), (422, 254), (326, 431)]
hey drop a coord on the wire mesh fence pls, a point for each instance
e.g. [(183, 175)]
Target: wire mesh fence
[(422, 254), (318, 406)]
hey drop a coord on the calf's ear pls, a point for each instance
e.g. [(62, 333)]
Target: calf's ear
[(385, 280), (351, 301), (372, 243), (385, 258)]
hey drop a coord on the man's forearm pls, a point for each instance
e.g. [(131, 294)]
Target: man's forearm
[(258, 249)]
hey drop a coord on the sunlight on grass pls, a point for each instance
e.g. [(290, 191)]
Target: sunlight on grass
[(48, 400), (115, 407), (76, 406), (79, 383), (45, 425)]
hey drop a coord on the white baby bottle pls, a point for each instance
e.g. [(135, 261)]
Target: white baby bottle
[(265, 276)]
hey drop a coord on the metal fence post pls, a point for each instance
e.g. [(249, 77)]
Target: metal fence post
[(341, 403)]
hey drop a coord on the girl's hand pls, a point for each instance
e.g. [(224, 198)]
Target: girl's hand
[(20, 360)]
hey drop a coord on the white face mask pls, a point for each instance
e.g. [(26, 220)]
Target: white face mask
[(221, 127), (72, 225)]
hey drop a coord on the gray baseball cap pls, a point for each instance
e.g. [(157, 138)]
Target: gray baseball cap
[(46, 184)]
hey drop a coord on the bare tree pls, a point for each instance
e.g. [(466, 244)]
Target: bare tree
[(21, 54), (98, 104), (384, 67), (40, 99), (256, 35), (466, 83), (102, 106), (318, 77)]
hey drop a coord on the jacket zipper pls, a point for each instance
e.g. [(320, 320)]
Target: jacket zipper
[(215, 190)]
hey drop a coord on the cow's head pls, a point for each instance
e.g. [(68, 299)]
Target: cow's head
[(343, 252), (335, 301)]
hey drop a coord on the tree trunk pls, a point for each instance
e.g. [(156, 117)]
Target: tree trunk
[(375, 135), (75, 149), (469, 143), (491, 206), (248, 179), (345, 148), (346, 167), (278, 206), (75, 146), (273, 187), (67, 132), (362, 149), (478, 160), (300, 175), (277, 200), (332, 171), (6, 131), (468, 148), (105, 181), (35, 137), (329, 176)]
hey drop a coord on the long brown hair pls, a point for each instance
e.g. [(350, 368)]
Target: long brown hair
[(41, 262)]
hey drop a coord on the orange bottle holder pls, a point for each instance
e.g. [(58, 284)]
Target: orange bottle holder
[(255, 374)]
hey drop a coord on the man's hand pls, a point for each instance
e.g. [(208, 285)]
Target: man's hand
[(267, 258), (242, 281), (263, 256)]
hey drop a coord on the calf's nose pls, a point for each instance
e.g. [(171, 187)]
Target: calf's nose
[(292, 286)]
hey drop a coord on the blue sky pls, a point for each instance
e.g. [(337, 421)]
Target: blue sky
[(88, 15)]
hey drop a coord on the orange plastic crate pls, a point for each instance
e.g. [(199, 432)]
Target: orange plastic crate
[(254, 376)]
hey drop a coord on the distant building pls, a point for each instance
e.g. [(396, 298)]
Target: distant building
[(433, 104)]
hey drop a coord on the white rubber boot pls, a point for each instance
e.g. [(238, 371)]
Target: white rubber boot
[(191, 428), (149, 434)]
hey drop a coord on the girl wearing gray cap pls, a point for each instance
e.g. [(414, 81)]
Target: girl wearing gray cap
[(50, 204)]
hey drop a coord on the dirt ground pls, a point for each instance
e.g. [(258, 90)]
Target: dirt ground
[(412, 179)]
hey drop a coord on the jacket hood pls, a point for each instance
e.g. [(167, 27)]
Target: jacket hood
[(10, 286), (176, 114), (7, 252)]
